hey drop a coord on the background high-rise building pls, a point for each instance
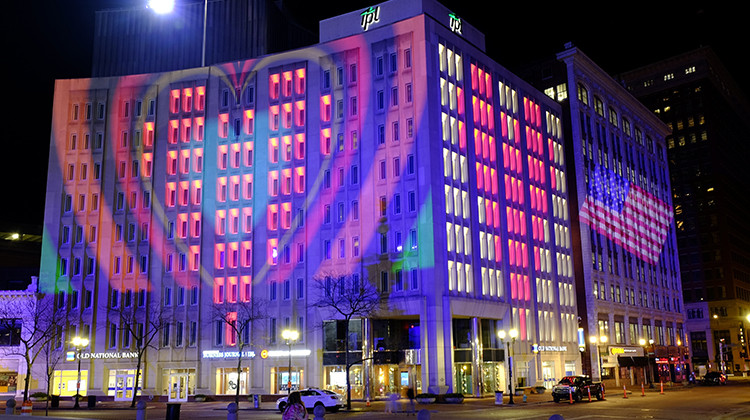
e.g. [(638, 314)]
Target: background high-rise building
[(393, 153), (138, 40), (626, 265), (710, 119)]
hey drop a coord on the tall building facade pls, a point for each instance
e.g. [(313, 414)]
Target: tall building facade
[(138, 40), (708, 113), (627, 270), (394, 152)]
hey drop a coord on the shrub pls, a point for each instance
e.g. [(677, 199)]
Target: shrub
[(425, 395), (39, 395)]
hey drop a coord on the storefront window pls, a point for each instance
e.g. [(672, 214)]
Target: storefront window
[(493, 377), (335, 380), (280, 378), (8, 382), (64, 382), (227, 381)]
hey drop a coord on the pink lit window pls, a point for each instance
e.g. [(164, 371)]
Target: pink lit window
[(234, 187), (273, 183), (273, 86), (187, 132), (221, 189), (174, 131), (222, 157), (199, 129), (272, 251), (195, 258), (219, 290), (299, 146), (325, 141), (287, 83), (182, 193), (197, 160), (221, 218), (299, 76), (286, 215), (325, 108), (200, 103), (148, 164), (174, 101), (273, 150), (195, 223), (246, 253), (223, 125), (246, 289), (197, 192), (299, 113), (171, 194), (182, 225), (273, 217), (148, 129), (219, 256), (249, 120), (187, 103), (234, 221), (185, 161), (247, 220), (286, 181), (287, 115), (247, 186), (235, 158), (233, 294), (273, 117), (232, 255), (286, 148)]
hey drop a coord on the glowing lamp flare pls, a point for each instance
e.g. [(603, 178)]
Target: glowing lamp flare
[(161, 6)]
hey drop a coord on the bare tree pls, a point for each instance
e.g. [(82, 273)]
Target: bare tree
[(346, 297), (143, 324), (27, 323), (52, 356), (240, 318)]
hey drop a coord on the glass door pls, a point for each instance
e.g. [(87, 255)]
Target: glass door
[(178, 387)]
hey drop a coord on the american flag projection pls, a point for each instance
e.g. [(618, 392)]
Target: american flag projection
[(628, 215)]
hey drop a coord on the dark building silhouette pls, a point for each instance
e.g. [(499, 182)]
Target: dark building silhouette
[(137, 40), (710, 119)]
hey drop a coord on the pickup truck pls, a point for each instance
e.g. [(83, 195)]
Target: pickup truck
[(579, 386)]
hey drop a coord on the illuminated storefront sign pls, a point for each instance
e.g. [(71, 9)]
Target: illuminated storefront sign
[(537, 348), (455, 23), (71, 355), (626, 351), (370, 16), (216, 354)]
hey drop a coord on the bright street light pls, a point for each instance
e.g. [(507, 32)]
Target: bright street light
[(512, 334), (161, 6), (79, 344), (289, 336)]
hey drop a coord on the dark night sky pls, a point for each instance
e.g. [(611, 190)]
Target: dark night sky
[(52, 39)]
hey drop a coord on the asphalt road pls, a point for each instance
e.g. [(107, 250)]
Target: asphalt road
[(683, 403)]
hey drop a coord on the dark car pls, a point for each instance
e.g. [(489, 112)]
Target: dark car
[(579, 387), (714, 378)]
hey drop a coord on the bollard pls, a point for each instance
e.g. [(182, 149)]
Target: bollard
[(232, 411), (603, 389), (26, 408), (662, 388), (624, 392), (643, 390), (423, 414), (524, 397), (319, 412), (140, 410), (589, 391), (173, 411), (571, 394), (10, 407)]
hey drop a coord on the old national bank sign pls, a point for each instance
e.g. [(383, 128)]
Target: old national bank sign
[(71, 355)]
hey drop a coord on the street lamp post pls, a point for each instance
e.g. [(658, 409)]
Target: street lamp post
[(512, 334), (79, 344), (602, 339), (289, 336)]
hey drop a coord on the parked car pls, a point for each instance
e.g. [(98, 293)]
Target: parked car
[(313, 397), (714, 378), (579, 386)]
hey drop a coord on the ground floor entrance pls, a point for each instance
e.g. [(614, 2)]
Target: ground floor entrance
[(121, 384), (178, 384)]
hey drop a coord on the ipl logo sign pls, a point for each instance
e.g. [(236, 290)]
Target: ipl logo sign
[(455, 23), (370, 16)]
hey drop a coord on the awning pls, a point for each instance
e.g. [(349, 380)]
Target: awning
[(628, 361)]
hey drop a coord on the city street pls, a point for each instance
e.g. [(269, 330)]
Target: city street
[(694, 402)]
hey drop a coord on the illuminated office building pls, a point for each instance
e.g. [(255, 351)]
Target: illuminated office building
[(393, 152), (626, 265)]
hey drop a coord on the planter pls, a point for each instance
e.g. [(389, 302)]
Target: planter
[(454, 400), (37, 399), (426, 400), (540, 389), (200, 398)]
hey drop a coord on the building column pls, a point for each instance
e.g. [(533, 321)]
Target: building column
[(367, 362), (476, 357)]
